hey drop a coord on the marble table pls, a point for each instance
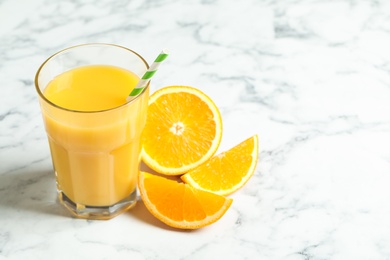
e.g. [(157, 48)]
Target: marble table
[(311, 78)]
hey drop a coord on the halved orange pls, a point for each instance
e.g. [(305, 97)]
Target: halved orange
[(183, 130), (227, 172), (178, 204)]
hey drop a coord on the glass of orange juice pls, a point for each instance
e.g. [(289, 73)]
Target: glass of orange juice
[(93, 132)]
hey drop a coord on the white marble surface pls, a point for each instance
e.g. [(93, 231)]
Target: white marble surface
[(311, 78)]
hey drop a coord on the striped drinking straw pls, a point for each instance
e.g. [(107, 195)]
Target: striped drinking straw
[(148, 75)]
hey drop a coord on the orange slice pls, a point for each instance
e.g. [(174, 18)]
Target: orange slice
[(183, 129), (179, 205), (227, 172)]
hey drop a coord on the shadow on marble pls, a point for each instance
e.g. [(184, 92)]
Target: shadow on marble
[(30, 191), (34, 191)]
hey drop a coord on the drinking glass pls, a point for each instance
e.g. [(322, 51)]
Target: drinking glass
[(95, 154)]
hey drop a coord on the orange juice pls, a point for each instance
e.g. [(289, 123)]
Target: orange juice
[(94, 134), (91, 88)]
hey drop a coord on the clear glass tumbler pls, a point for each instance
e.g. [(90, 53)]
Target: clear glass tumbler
[(95, 154)]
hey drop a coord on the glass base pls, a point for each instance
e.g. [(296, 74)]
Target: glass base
[(97, 212)]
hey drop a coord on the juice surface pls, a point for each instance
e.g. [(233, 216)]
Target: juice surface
[(91, 88), (95, 155)]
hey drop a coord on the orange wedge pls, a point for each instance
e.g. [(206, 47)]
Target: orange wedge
[(179, 205), (183, 130), (227, 172)]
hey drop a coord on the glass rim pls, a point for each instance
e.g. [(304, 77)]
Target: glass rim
[(38, 89)]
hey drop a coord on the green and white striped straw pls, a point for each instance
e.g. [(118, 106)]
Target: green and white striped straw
[(148, 75)]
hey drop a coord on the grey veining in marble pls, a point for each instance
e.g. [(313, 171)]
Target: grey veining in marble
[(311, 78)]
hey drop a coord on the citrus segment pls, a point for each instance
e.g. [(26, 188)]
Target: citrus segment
[(183, 129), (227, 172), (178, 204)]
